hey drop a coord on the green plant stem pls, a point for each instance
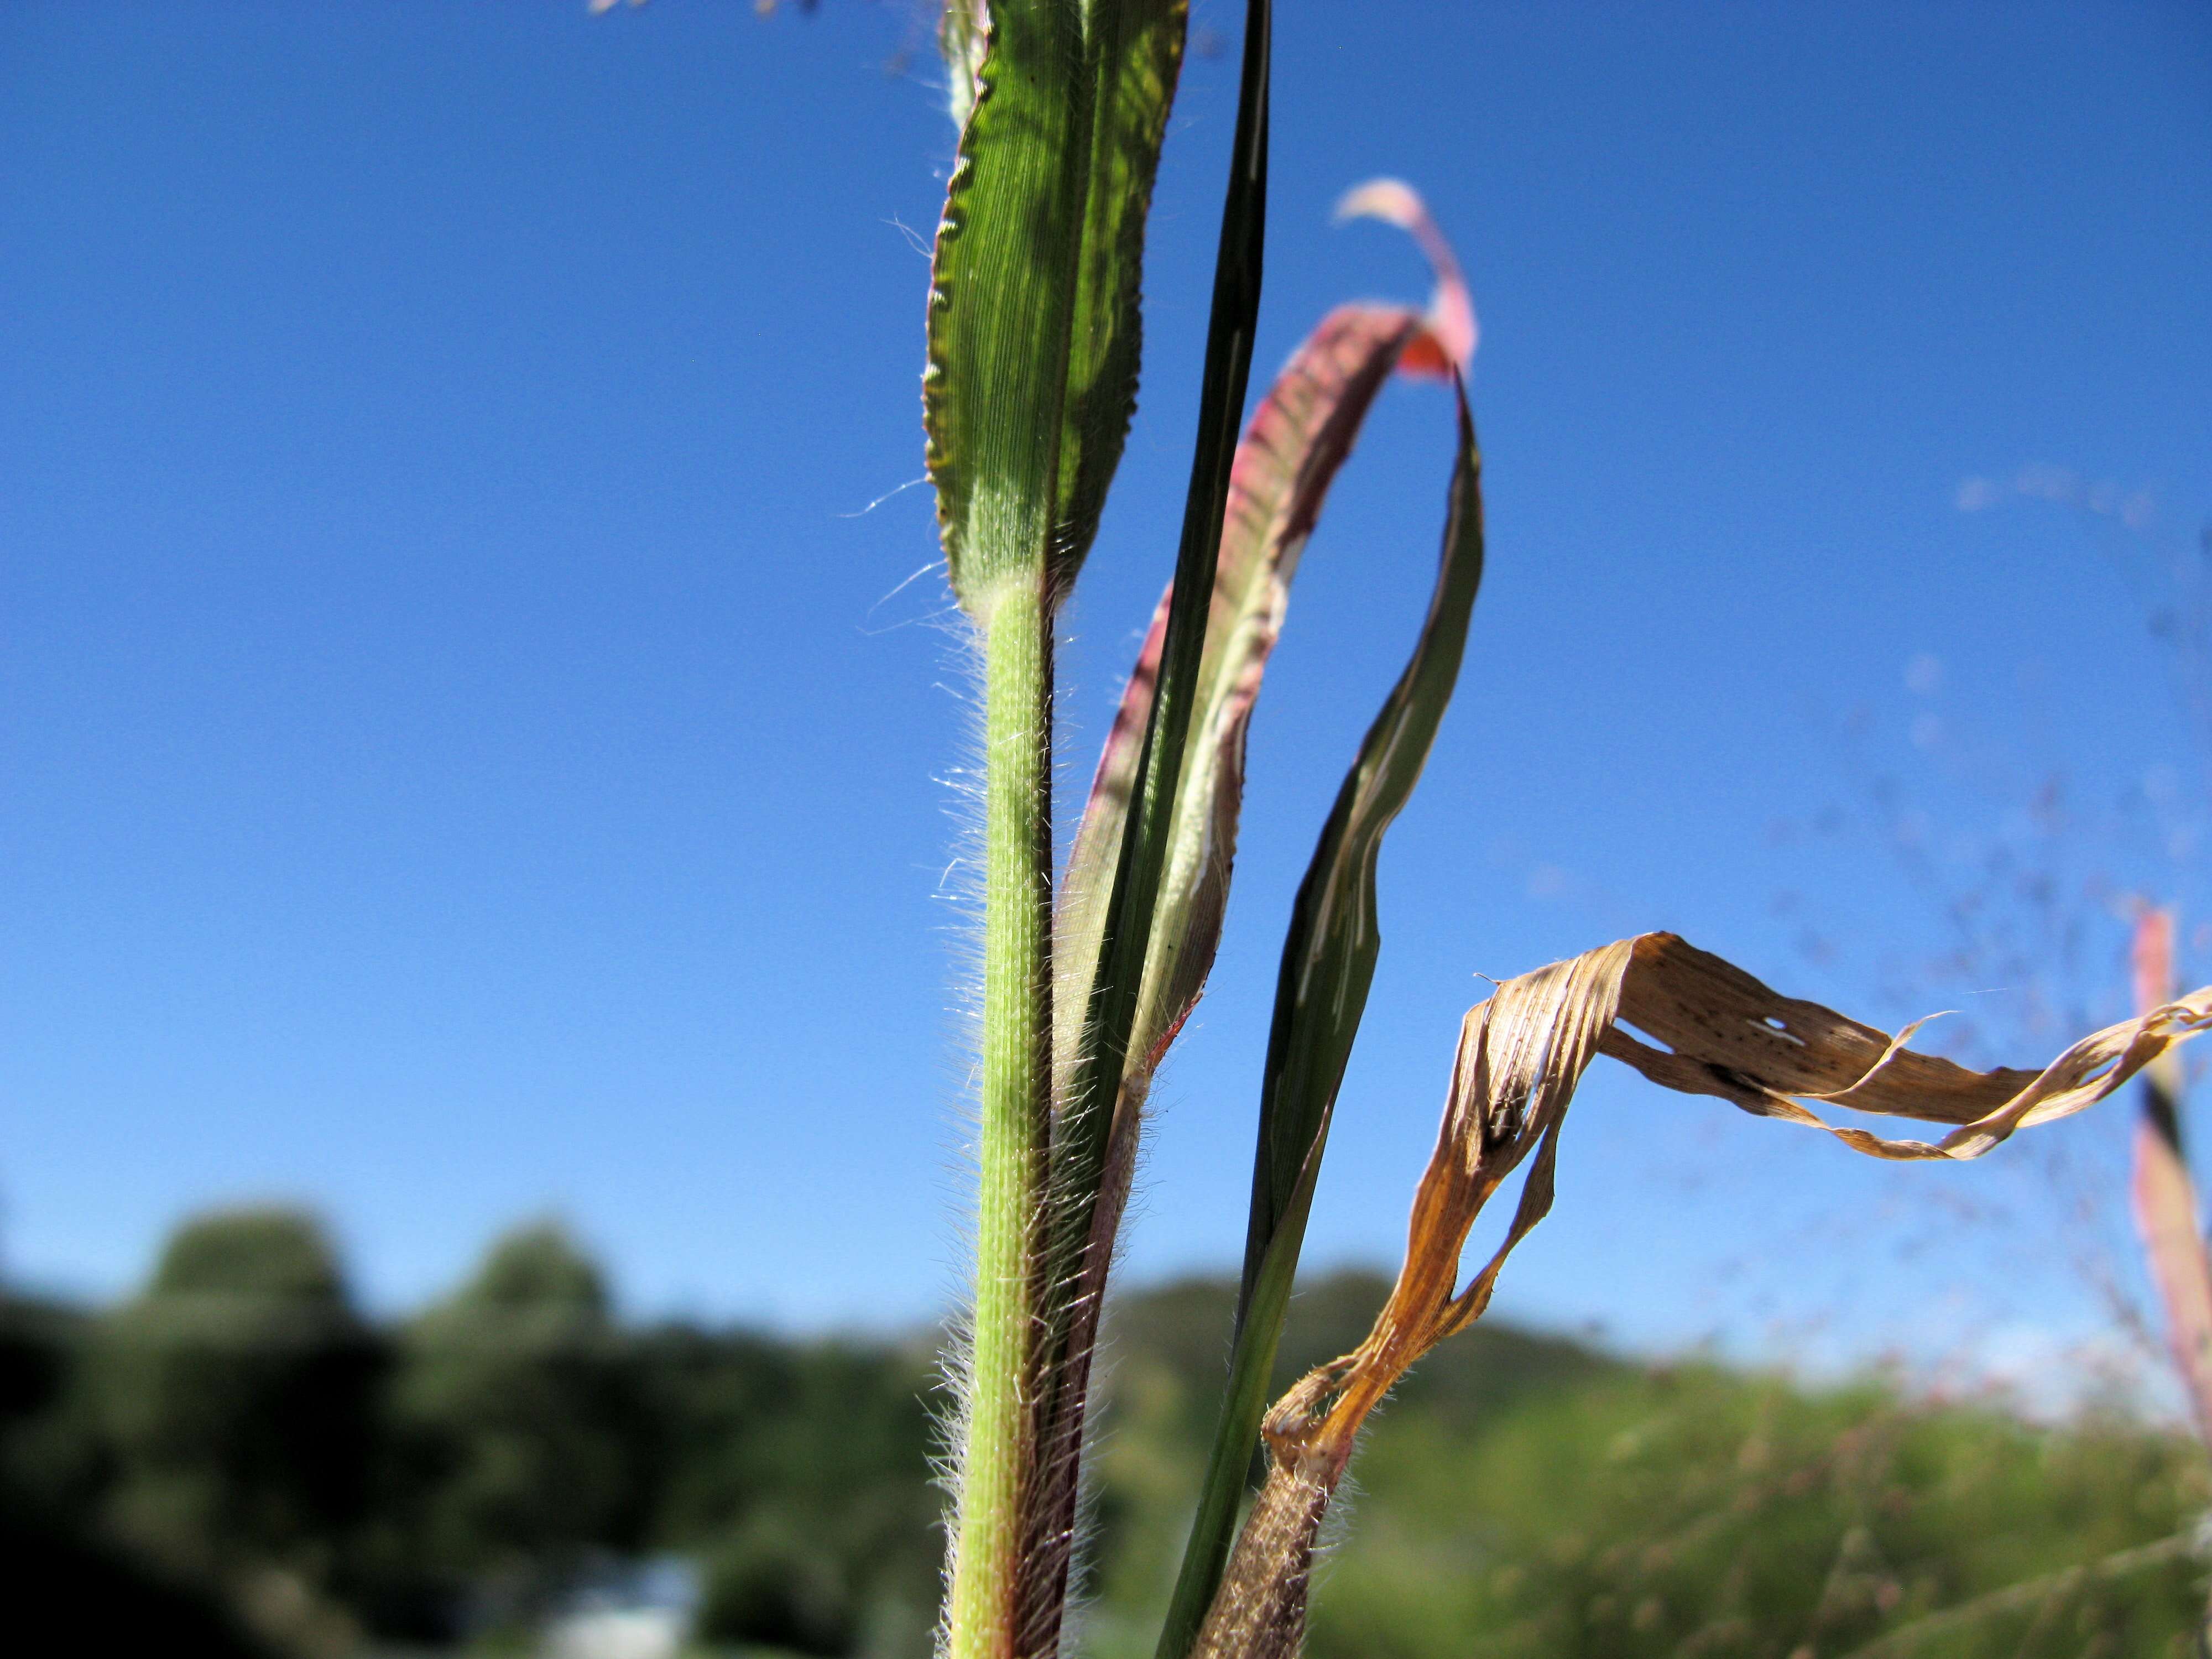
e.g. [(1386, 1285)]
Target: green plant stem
[(997, 1460)]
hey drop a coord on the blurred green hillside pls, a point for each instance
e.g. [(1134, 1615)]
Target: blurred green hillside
[(235, 1461)]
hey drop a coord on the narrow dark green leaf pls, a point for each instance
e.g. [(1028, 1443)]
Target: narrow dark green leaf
[(1125, 932), (1328, 967), (1116, 934), (1080, 1249)]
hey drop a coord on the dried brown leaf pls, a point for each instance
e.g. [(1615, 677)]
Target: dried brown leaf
[(1706, 1027)]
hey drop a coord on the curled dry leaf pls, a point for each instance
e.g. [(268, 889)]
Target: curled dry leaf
[(1712, 1030)]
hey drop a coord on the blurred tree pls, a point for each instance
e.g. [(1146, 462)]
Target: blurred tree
[(235, 1398), (111, 1601), (799, 1477), (51, 1473), (511, 1407), (768, 1586), (50, 1455)]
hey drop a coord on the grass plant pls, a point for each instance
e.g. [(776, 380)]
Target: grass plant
[(1034, 347)]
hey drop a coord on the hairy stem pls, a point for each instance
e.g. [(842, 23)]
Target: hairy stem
[(998, 1462)]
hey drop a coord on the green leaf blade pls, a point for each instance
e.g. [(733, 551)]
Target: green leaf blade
[(1328, 959), (1034, 332)]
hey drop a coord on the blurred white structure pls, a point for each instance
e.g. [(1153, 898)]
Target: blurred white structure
[(643, 1612), (618, 1633)]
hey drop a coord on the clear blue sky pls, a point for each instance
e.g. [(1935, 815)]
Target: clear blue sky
[(467, 754)]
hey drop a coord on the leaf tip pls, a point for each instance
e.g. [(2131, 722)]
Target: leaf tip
[(1451, 331)]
